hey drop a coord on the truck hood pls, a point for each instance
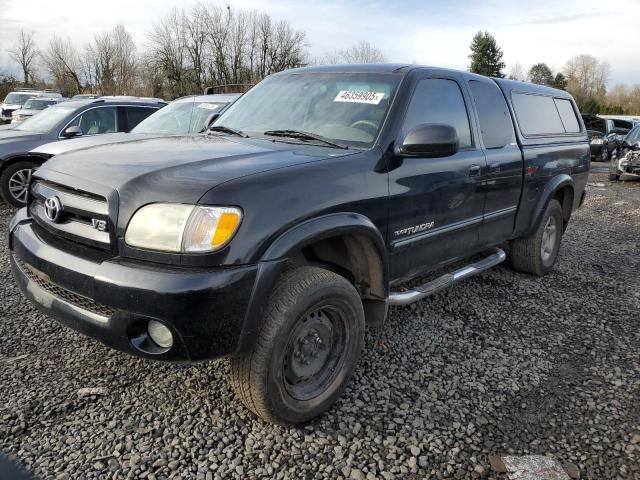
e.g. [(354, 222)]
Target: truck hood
[(56, 148), (173, 169)]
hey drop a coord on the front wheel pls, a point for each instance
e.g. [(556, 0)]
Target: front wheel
[(14, 183), (307, 348), (538, 252), (604, 156)]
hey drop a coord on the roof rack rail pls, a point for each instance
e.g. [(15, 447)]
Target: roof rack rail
[(51, 90), (228, 88), (25, 90)]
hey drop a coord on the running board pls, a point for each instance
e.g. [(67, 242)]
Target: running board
[(418, 293)]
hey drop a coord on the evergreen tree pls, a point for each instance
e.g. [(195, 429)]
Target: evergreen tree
[(541, 74), (560, 81), (486, 56)]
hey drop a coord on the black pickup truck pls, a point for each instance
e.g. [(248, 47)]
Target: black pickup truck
[(275, 237)]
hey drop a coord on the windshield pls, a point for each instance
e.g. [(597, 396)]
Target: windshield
[(346, 108), (38, 104), (44, 122), (179, 118), (17, 98)]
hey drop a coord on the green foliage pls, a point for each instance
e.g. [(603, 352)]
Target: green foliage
[(7, 84), (590, 106), (560, 81), (486, 56), (541, 74)]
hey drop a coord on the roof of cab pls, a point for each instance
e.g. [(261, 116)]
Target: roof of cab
[(516, 86)]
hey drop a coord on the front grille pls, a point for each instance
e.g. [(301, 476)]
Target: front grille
[(80, 213), (62, 293)]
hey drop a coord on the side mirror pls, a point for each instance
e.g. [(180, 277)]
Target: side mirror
[(429, 140), (72, 131)]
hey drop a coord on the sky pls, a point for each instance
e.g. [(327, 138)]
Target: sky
[(430, 32)]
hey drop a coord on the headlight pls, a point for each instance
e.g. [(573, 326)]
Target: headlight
[(173, 227), (596, 141)]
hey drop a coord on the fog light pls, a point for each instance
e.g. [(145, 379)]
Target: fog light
[(160, 334)]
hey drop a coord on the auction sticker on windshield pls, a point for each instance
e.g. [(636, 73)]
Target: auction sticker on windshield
[(359, 97)]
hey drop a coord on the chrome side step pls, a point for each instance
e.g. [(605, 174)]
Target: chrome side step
[(448, 279)]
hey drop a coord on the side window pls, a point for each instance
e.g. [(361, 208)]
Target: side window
[(97, 121), (134, 115), (439, 101), (537, 114), (495, 122), (567, 115)]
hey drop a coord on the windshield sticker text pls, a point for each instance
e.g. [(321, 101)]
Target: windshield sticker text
[(350, 96)]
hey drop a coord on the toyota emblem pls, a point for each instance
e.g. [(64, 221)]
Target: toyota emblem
[(52, 208)]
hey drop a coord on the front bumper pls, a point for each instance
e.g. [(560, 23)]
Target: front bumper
[(113, 300)]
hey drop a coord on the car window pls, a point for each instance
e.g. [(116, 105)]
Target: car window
[(567, 115), (437, 100), (634, 136), (134, 115), (47, 120), (495, 122), (537, 114), (347, 108), (97, 121)]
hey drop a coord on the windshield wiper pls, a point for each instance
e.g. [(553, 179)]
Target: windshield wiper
[(223, 129), (300, 135)]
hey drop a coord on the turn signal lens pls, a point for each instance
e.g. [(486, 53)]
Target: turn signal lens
[(210, 228)]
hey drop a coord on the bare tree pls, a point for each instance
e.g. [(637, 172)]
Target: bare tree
[(25, 53), (125, 61), (586, 78), (363, 52), (64, 65), (517, 73)]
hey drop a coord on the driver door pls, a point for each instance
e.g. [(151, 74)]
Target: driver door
[(436, 203)]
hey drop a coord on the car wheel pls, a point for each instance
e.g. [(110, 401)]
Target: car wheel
[(14, 183), (614, 178), (604, 156), (538, 252), (307, 348)]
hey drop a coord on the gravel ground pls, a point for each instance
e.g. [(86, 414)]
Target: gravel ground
[(504, 364)]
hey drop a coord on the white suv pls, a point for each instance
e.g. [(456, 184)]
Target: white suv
[(16, 99)]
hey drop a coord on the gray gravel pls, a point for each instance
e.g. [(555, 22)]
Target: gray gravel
[(504, 363)]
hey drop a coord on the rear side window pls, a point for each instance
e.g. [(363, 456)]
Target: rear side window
[(134, 115), (567, 115), (537, 115), (439, 101), (495, 122)]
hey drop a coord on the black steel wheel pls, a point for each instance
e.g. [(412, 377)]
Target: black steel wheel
[(307, 349)]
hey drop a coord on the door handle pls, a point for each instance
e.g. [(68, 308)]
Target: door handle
[(474, 170), (494, 167)]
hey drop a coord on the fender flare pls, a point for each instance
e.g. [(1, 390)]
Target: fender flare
[(22, 155), (273, 261), (550, 189)]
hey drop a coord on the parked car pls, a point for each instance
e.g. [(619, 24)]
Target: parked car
[(58, 123), (277, 236), (627, 161), (17, 98), (185, 115), (604, 135), (31, 107)]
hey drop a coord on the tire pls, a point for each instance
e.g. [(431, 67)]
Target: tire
[(614, 178), (604, 155), (12, 178), (273, 381), (527, 254)]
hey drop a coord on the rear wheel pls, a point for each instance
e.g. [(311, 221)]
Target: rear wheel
[(14, 183), (307, 349), (538, 252)]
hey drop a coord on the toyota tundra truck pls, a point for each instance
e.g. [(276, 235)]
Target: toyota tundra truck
[(275, 238)]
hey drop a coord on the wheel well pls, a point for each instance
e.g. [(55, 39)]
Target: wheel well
[(564, 196), (356, 258), (21, 158)]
